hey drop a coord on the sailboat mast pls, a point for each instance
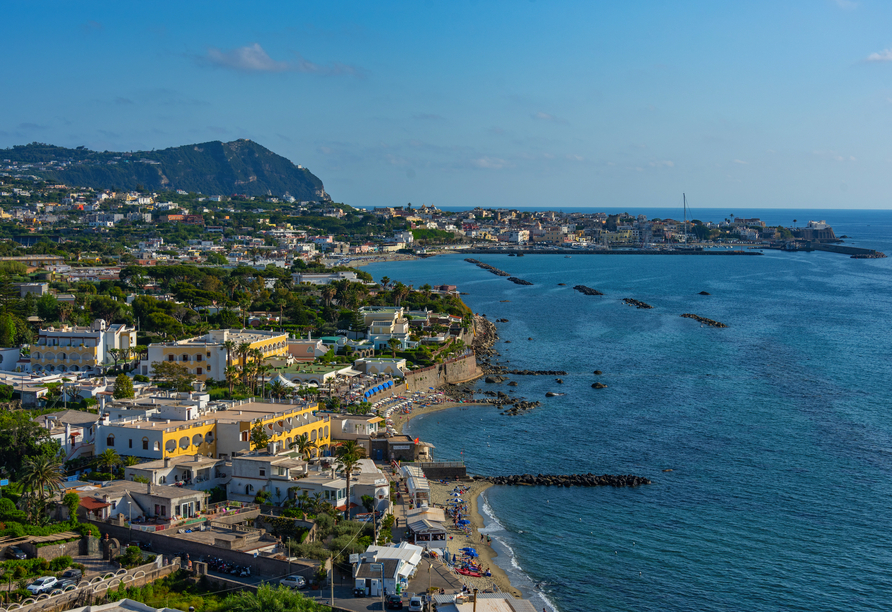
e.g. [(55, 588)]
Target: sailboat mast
[(685, 204)]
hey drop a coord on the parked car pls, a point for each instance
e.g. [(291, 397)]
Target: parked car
[(65, 583), (293, 582), (393, 602), (14, 552), (72, 574), (44, 584), (415, 604)]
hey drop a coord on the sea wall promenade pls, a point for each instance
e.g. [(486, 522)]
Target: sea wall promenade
[(502, 251)]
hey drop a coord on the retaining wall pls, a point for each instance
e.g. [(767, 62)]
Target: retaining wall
[(451, 371), (50, 552), (166, 545)]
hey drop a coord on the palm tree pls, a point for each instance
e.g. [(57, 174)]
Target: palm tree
[(229, 345), (277, 389), (385, 280), (109, 458), (327, 293), (243, 349), (232, 373), (42, 476), (349, 453), (304, 445)]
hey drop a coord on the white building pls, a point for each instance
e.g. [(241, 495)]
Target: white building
[(323, 279), (80, 349)]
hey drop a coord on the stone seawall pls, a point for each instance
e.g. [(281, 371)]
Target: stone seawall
[(452, 371)]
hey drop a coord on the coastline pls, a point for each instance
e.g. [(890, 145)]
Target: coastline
[(498, 581)]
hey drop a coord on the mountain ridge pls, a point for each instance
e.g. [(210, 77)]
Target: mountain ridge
[(213, 168)]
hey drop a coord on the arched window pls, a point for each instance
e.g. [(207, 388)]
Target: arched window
[(170, 358), (198, 357), (145, 444), (36, 355), (110, 440), (184, 358), (64, 356), (249, 489), (156, 446)]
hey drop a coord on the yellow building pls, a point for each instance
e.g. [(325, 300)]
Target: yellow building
[(207, 356), (182, 427)]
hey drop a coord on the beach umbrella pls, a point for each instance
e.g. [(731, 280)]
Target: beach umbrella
[(464, 522)]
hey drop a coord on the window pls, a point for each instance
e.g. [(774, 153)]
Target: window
[(170, 358), (198, 357), (184, 358), (162, 480), (130, 443), (156, 446), (163, 510), (198, 370), (263, 471), (114, 505), (145, 444), (110, 440)]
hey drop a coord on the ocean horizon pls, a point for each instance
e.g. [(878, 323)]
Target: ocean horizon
[(775, 429)]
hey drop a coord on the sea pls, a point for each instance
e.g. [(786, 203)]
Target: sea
[(769, 443)]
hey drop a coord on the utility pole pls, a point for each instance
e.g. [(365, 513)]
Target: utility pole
[(332, 580)]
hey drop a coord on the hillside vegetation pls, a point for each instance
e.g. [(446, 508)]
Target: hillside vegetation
[(212, 168)]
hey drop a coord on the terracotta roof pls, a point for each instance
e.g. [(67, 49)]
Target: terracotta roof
[(92, 504)]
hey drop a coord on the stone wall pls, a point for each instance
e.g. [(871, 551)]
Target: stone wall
[(72, 549), (451, 371), (168, 546)]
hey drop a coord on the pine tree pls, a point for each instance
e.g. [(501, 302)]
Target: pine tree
[(123, 387)]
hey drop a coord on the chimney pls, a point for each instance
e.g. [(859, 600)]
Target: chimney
[(197, 458), (167, 462), (149, 488)]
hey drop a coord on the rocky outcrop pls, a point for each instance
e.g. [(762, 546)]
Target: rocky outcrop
[(554, 394), (519, 281), (494, 380), (513, 383), (703, 320), (598, 385), (586, 290), (636, 303), (568, 480), (598, 372), (521, 407), (704, 293)]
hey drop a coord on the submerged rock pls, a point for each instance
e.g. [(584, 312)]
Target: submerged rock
[(598, 385)]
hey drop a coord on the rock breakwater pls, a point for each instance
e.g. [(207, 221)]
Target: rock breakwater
[(487, 267), (636, 303), (703, 320), (586, 290), (519, 281), (567, 480), (536, 372)]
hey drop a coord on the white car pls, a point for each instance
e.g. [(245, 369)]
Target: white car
[(293, 582), (415, 604), (45, 584)]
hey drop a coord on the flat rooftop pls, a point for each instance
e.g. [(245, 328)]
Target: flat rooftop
[(236, 413)]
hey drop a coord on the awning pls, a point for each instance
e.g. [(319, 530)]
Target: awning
[(376, 420), (350, 372)]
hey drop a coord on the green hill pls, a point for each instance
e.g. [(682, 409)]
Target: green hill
[(211, 168)]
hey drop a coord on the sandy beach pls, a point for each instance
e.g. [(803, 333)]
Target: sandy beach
[(441, 494), (399, 420)]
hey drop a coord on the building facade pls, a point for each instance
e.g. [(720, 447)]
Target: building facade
[(80, 349)]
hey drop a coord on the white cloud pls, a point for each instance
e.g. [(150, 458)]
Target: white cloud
[(740, 161), (540, 116), (490, 163), (247, 59), (662, 164), (253, 58), (848, 5), (882, 56)]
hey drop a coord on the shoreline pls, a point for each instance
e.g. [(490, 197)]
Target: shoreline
[(498, 581), (440, 495)]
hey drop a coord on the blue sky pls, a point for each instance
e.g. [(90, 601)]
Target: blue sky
[(537, 104)]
